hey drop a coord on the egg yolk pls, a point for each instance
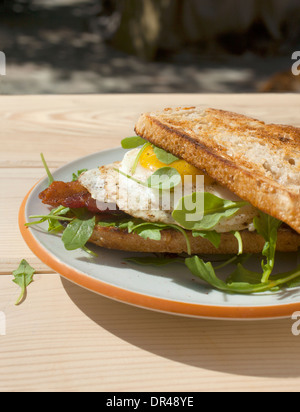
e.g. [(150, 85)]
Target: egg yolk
[(149, 161)]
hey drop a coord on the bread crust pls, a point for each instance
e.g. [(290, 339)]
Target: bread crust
[(174, 242), (236, 151)]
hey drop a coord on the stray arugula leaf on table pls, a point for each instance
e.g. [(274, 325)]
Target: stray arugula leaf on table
[(23, 277)]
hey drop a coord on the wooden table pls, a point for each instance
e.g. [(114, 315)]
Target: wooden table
[(64, 338)]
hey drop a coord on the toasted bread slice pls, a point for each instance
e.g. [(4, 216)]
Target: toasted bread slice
[(174, 242), (258, 162)]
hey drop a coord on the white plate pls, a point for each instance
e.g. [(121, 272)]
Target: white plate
[(170, 289)]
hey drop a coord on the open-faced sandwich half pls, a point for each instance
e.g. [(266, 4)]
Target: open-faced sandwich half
[(193, 182)]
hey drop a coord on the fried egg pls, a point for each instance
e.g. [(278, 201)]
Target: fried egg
[(123, 188)]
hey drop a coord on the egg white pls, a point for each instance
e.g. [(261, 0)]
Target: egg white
[(111, 188)]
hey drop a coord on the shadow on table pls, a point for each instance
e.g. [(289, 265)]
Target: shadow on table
[(252, 348)]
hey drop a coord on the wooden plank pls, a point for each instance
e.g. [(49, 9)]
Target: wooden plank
[(64, 338), (65, 128), (14, 185)]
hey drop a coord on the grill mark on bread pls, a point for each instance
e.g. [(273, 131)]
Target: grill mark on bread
[(205, 149)]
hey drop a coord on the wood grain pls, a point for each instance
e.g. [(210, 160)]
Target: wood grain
[(14, 185), (64, 338), (65, 128)]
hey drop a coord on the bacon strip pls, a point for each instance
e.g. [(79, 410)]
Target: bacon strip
[(72, 195)]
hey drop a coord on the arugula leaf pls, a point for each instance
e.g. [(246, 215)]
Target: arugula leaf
[(206, 213), (23, 277), (107, 224), (132, 142), (80, 225), (54, 217), (79, 172), (149, 233), (50, 177), (130, 177), (78, 233), (137, 159), (55, 223), (165, 178), (238, 236), (154, 261), (90, 252), (163, 156), (213, 236), (241, 274), (205, 271), (148, 230), (237, 259), (267, 226), (243, 280), (241, 277)]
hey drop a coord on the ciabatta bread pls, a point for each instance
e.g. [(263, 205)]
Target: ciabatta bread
[(258, 162)]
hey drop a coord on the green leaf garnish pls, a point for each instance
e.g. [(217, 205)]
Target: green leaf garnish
[(238, 236), (241, 281), (50, 177), (130, 177), (203, 211), (75, 176), (78, 233), (80, 226), (137, 159), (54, 218), (267, 226), (237, 259), (213, 236), (147, 230), (132, 142), (163, 156), (165, 178), (23, 277), (154, 261)]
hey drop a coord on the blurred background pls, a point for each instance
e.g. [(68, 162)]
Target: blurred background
[(149, 46)]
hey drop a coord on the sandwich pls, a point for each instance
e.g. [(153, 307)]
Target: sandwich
[(194, 184)]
